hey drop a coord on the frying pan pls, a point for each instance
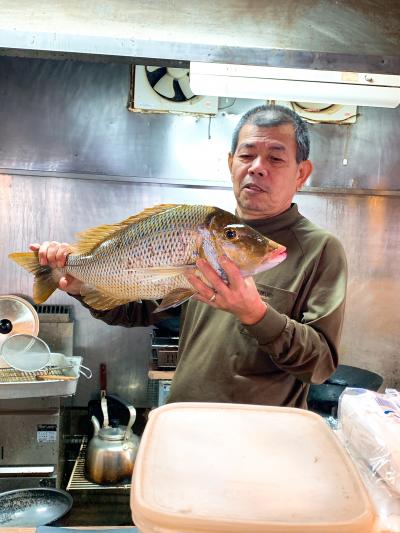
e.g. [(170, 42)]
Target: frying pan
[(33, 507)]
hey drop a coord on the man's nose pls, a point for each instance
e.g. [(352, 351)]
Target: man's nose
[(258, 167)]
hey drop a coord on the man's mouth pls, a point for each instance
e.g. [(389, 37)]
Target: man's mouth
[(252, 187)]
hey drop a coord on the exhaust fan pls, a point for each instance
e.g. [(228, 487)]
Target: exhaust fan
[(319, 113), (167, 89), (300, 85)]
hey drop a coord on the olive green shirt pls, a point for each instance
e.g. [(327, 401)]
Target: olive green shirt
[(274, 361)]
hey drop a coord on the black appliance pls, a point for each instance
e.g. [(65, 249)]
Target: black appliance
[(323, 399)]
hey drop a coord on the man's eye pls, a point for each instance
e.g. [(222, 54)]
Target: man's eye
[(276, 159)]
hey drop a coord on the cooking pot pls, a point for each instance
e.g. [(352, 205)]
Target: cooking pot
[(112, 450)]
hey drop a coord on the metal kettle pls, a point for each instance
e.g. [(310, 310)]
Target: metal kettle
[(111, 452)]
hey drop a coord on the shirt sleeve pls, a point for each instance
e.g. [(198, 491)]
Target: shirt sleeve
[(129, 315), (308, 347)]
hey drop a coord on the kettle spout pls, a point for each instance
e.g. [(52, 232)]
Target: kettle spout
[(96, 425)]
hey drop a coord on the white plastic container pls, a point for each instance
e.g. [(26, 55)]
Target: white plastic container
[(208, 468)]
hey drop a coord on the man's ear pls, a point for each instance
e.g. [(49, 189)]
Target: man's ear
[(230, 161), (305, 169)]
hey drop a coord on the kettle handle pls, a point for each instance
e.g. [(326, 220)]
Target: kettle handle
[(132, 418), (132, 413)]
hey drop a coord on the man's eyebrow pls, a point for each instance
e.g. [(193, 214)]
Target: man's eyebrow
[(279, 147), (246, 145)]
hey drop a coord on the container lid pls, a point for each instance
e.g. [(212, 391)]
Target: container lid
[(207, 467), (17, 316)]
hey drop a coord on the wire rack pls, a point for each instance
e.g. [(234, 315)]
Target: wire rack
[(78, 481), (10, 375)]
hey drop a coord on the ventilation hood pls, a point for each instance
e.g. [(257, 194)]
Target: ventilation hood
[(361, 36)]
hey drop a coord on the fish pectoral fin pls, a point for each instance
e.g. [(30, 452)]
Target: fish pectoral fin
[(99, 300), (174, 298)]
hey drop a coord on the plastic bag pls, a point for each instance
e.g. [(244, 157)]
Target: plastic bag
[(369, 428)]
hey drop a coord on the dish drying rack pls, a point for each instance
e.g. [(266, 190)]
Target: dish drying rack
[(78, 481), (41, 383), (10, 375)]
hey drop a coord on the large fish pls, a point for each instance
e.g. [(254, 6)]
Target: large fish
[(145, 257)]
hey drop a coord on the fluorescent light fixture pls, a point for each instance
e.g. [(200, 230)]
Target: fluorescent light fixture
[(298, 85)]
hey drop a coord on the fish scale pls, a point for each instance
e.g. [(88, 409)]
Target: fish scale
[(167, 239), (145, 257)]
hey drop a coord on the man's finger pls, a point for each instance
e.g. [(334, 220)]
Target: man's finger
[(213, 278), (198, 284), (43, 258), (63, 283), (233, 273), (62, 254)]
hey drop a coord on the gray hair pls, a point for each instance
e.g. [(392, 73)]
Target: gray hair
[(268, 116)]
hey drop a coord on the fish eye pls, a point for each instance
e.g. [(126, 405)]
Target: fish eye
[(230, 234)]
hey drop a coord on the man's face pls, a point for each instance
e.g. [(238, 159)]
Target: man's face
[(265, 173)]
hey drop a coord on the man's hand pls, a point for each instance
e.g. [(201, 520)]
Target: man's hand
[(55, 255), (240, 297)]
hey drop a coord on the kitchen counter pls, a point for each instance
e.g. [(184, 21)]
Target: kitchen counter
[(33, 529), (131, 530)]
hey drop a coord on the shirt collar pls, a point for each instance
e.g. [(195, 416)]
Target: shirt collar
[(281, 221)]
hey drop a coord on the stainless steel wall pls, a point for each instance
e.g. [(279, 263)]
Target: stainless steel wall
[(71, 117), (38, 208), (75, 157)]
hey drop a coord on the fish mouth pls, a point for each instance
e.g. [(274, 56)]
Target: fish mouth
[(277, 255), (271, 259)]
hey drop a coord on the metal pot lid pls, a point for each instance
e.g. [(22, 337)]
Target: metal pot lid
[(17, 316), (110, 433)]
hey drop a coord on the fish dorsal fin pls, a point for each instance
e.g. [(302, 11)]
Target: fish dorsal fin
[(148, 212), (92, 237)]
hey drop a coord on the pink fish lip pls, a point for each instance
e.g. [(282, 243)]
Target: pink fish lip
[(276, 256)]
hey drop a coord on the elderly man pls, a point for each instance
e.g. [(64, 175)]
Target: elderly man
[(261, 340)]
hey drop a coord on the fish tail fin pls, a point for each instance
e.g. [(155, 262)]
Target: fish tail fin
[(44, 284)]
